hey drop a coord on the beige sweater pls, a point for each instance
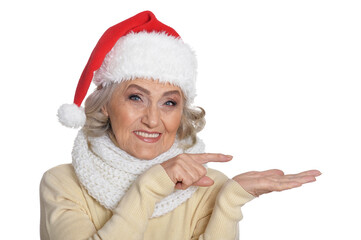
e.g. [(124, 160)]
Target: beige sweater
[(69, 212)]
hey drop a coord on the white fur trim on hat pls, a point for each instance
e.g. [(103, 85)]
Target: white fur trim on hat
[(154, 55), (70, 115)]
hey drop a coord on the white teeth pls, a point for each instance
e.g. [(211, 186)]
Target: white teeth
[(147, 135)]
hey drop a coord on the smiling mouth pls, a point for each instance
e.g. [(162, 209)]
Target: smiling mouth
[(147, 137)]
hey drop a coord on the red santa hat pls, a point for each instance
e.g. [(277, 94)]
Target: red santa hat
[(139, 47)]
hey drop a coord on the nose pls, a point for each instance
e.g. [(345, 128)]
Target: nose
[(151, 116)]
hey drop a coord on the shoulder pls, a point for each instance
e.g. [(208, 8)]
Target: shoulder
[(61, 178), (64, 172)]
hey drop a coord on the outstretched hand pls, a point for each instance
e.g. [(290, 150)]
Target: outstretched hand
[(187, 169), (258, 183)]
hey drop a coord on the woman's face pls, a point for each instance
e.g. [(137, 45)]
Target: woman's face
[(145, 116)]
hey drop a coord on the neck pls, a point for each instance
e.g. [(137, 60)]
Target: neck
[(107, 172)]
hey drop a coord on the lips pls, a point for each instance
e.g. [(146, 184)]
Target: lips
[(148, 137)]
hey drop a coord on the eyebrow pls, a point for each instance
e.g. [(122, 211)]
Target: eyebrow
[(171, 93), (148, 92), (139, 88)]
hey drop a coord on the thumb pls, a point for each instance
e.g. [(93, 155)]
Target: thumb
[(204, 182)]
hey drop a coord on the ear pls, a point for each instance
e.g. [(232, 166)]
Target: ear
[(105, 111)]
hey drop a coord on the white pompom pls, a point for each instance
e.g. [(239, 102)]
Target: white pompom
[(70, 115)]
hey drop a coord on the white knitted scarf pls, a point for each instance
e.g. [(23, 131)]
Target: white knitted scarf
[(107, 172)]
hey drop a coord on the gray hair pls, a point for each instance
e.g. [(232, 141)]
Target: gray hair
[(98, 124)]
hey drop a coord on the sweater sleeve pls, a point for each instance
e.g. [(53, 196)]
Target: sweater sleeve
[(223, 223), (65, 216)]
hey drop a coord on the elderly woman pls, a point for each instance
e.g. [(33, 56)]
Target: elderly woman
[(138, 168)]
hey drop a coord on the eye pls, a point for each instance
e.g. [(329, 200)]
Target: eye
[(134, 97), (170, 103)]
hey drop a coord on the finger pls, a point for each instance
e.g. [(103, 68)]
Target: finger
[(204, 182), (193, 177), (305, 179), (299, 179), (314, 173), (183, 185), (182, 178), (178, 185), (311, 172), (195, 170), (210, 157)]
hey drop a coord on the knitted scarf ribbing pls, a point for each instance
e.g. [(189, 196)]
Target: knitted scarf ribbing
[(107, 172)]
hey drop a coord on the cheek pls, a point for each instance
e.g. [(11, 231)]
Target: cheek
[(122, 119), (172, 122)]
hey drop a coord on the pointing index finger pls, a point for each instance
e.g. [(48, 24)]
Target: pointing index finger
[(210, 157)]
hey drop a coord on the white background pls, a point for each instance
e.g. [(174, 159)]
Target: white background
[(280, 81)]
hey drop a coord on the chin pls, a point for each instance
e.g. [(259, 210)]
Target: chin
[(146, 155)]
